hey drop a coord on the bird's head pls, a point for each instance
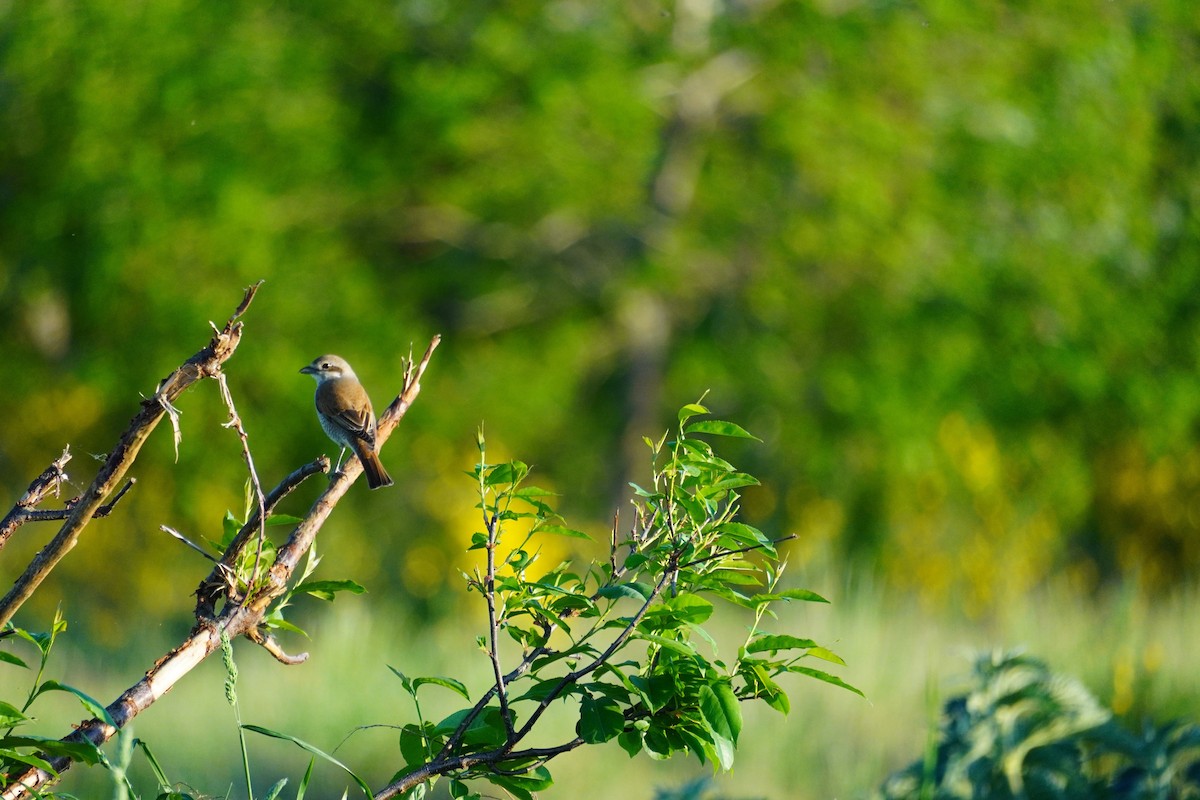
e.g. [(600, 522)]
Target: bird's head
[(328, 367)]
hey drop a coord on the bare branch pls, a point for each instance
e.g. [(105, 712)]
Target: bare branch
[(49, 482), (206, 363), (269, 644)]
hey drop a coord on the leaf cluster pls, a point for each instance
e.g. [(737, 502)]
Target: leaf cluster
[(619, 644), (1022, 731)]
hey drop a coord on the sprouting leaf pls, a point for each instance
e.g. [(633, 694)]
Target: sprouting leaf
[(9, 658), (827, 655), (10, 715), (691, 410), (773, 643), (325, 590), (84, 752), (449, 683), (790, 594), (825, 676), (533, 491), (523, 786), (561, 531), (632, 590), (720, 428)]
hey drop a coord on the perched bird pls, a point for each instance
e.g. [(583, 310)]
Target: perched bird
[(344, 410)]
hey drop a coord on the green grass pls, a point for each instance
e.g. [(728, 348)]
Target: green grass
[(1134, 654)]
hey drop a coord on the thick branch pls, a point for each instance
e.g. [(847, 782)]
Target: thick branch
[(205, 363), (237, 619)]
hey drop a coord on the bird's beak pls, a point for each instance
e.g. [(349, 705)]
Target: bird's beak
[(309, 370)]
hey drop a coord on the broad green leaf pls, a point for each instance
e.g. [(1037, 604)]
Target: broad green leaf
[(656, 691), (723, 718), (790, 594), (10, 715), (630, 742), (825, 676), (600, 719), (414, 748), (523, 786), (449, 683), (827, 655), (526, 492), (671, 644), (83, 752), (28, 759), (303, 745), (279, 623), (720, 428), (326, 590), (632, 590), (691, 410), (560, 530), (773, 643), (9, 658)]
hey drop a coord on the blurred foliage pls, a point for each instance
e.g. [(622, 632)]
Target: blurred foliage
[(943, 256), (1022, 731)]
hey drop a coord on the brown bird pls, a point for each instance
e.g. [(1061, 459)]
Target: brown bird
[(344, 410)]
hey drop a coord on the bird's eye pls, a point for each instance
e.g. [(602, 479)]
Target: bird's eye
[(326, 365)]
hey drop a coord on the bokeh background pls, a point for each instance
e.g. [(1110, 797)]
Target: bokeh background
[(942, 257)]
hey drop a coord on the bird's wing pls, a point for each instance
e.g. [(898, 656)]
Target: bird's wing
[(359, 422)]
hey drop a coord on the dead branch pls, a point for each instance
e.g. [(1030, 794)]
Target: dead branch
[(242, 618), (205, 363), (49, 482)]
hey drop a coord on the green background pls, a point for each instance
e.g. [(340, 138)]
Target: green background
[(941, 257)]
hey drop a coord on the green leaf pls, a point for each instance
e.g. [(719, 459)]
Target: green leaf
[(525, 492), (523, 786), (325, 590), (28, 759), (448, 683), (230, 526), (656, 691), (303, 745), (274, 791), (827, 655), (10, 715), (560, 530), (302, 789), (632, 590), (719, 708), (825, 676), (93, 706), (9, 658), (790, 594), (691, 410), (720, 428), (164, 784), (679, 647), (599, 719), (414, 747), (630, 742), (778, 642), (83, 752)]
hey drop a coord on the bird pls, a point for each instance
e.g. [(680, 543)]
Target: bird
[(344, 410)]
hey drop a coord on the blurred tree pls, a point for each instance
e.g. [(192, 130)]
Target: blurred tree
[(944, 256)]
